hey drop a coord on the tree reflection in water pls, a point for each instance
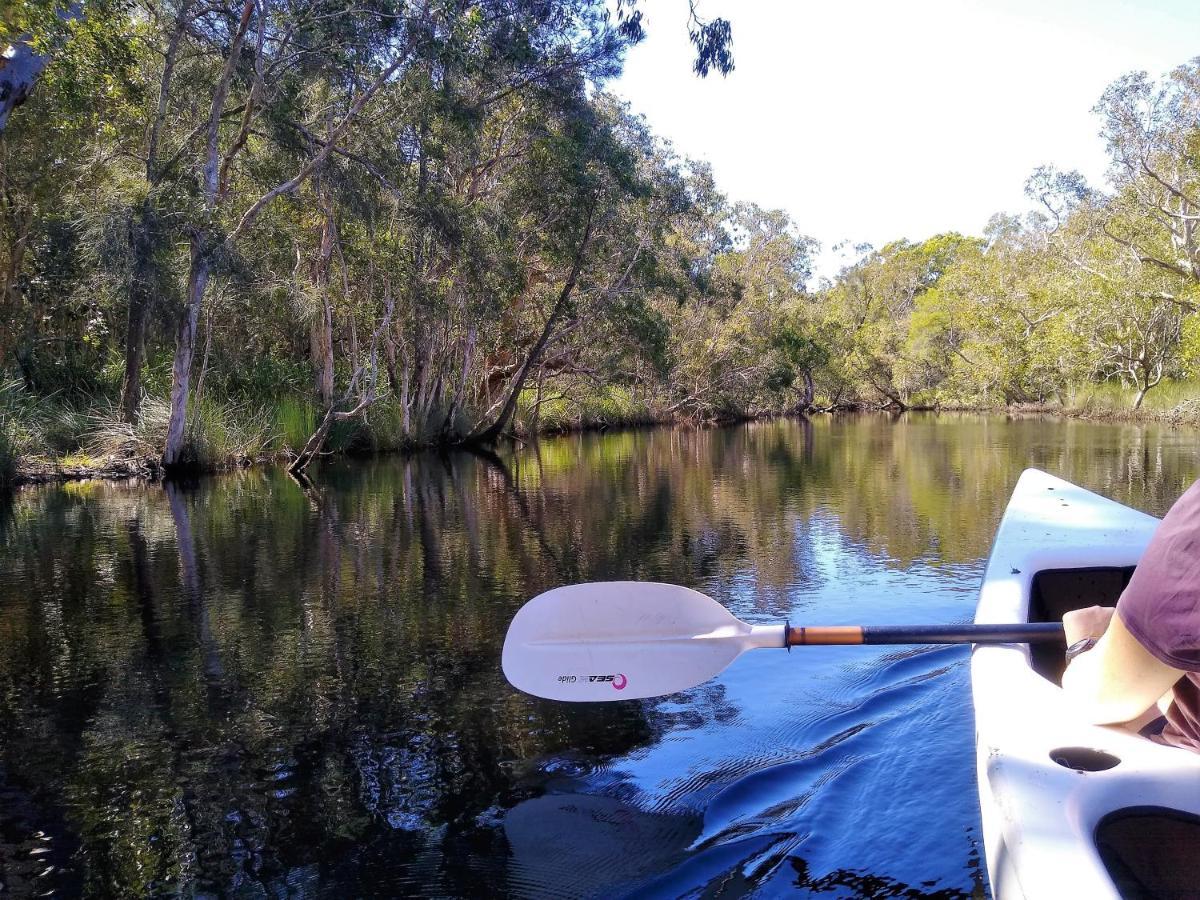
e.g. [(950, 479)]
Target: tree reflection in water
[(251, 684)]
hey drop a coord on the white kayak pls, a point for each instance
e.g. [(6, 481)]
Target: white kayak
[(1070, 809)]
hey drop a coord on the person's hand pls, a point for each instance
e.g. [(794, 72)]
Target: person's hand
[(1090, 622)]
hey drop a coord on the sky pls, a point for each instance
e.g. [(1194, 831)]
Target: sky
[(871, 121)]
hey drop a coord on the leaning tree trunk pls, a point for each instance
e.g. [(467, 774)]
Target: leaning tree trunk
[(315, 443), (490, 433), (1151, 375), (322, 327)]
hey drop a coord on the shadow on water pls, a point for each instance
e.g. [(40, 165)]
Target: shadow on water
[(257, 685)]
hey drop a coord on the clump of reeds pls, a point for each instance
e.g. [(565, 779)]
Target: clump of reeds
[(219, 433), (590, 407)]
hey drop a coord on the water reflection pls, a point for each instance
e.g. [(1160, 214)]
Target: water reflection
[(255, 685)]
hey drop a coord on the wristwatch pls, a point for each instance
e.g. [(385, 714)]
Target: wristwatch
[(1079, 647)]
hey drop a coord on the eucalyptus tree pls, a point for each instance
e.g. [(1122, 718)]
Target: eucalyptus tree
[(606, 331), (264, 55), (53, 160), (726, 331), (1151, 130), (869, 310), (489, 198), (1016, 300), (1136, 250), (1131, 315), (590, 181)]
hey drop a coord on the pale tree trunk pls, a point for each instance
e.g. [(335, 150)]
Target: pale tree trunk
[(185, 345), (201, 259), (422, 367), (322, 326), (321, 345), (405, 405), (806, 398), (1149, 379), (460, 390)]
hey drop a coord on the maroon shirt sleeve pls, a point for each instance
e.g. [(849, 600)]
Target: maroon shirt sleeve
[(1161, 605)]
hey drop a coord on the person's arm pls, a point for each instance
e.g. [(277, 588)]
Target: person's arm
[(1118, 679)]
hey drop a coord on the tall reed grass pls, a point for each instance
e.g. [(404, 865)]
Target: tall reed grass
[(219, 433), (610, 405), (1172, 399)]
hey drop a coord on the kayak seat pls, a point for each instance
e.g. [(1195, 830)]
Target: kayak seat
[(1056, 591), (1151, 852)]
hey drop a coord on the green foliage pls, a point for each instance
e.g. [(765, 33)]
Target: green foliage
[(607, 406), (295, 420), (494, 228), (1114, 398), (221, 433)]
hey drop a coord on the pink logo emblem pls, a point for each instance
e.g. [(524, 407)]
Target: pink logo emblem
[(619, 682)]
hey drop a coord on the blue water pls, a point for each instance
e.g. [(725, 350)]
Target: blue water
[(845, 771), (252, 687)]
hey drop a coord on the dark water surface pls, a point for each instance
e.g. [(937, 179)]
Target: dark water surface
[(243, 688)]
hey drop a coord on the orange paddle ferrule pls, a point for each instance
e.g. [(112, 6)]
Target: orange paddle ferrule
[(800, 636)]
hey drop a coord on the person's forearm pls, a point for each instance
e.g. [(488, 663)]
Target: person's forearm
[(1093, 697)]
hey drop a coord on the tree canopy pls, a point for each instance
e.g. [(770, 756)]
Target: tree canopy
[(242, 226)]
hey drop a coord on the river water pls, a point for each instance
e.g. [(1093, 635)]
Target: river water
[(245, 687)]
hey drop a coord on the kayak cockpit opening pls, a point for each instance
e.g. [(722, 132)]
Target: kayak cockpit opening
[(1150, 851), (1056, 591)]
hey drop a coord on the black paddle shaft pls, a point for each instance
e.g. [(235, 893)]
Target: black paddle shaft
[(1035, 632)]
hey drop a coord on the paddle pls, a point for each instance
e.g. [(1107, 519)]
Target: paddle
[(622, 640)]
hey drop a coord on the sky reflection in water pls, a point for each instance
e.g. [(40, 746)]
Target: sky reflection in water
[(241, 687)]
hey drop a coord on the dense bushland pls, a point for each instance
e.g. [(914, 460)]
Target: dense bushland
[(236, 229)]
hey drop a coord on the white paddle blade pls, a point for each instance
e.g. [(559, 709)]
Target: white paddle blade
[(624, 640)]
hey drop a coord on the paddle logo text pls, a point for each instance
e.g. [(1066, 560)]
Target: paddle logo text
[(618, 681)]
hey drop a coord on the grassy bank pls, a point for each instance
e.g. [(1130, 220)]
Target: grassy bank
[(49, 438), (1171, 403)]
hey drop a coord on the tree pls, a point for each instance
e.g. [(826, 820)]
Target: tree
[(1151, 131), (396, 41), (590, 177), (726, 350), (29, 53), (870, 306)]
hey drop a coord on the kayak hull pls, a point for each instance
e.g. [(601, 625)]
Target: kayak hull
[(1046, 778)]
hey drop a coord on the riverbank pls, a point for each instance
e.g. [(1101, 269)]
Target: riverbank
[(44, 440)]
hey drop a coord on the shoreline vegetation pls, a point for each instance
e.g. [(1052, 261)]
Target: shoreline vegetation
[(239, 437), (244, 231)]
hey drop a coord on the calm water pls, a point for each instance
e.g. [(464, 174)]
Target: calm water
[(244, 688)]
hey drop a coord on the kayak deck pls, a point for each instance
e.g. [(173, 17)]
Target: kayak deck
[(1048, 781)]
